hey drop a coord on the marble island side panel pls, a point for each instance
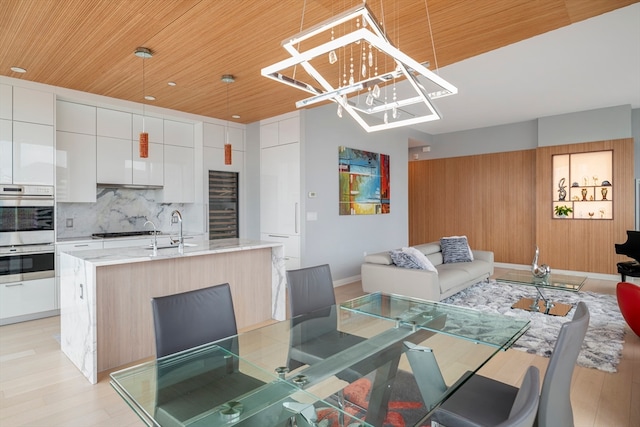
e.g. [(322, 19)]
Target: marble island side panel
[(106, 318)]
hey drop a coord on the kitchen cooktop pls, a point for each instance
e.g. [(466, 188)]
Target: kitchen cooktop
[(122, 234)]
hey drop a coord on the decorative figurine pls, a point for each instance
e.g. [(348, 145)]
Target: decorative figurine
[(604, 193), (562, 192), (584, 194), (539, 271)]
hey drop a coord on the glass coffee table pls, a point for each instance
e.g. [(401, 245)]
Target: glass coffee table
[(558, 282)]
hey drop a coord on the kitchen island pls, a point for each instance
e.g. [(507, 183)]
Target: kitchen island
[(105, 295)]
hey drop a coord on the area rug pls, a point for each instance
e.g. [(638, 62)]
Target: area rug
[(602, 346), (405, 406)]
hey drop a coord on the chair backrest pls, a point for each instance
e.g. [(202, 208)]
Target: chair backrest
[(310, 289), (628, 295), (555, 398), (525, 406), (193, 318)]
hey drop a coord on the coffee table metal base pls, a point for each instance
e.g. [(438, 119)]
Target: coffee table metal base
[(543, 306)]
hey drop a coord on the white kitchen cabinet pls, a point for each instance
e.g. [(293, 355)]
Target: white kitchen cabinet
[(70, 246), (75, 167), (214, 160), (76, 118), (26, 298), (6, 151), (114, 124), (216, 136), (179, 181), (114, 164), (269, 135), (152, 125), (289, 130), (33, 106), (150, 170), (33, 154), (178, 133), (280, 189), (6, 102), (291, 245)]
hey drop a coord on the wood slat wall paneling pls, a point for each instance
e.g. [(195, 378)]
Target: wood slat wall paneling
[(489, 198), (585, 245)]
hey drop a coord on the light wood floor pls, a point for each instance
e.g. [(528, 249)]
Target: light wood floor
[(40, 387)]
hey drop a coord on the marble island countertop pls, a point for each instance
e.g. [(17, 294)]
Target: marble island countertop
[(144, 252)]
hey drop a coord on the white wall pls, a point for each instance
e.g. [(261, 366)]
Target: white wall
[(342, 240)]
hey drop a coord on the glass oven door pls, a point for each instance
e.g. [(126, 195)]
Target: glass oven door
[(19, 265), (26, 222)]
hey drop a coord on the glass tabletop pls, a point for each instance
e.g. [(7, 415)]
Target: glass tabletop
[(473, 325), (562, 282), (311, 367)]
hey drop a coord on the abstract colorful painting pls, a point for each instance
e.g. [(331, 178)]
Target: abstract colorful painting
[(364, 182)]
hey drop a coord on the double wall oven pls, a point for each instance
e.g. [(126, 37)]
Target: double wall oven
[(27, 250)]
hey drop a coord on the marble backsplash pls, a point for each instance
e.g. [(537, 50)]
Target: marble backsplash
[(123, 209)]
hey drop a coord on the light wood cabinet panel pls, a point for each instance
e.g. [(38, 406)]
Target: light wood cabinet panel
[(489, 198)]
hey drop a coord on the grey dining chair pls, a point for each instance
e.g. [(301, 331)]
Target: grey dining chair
[(484, 401), (189, 387), (193, 318), (314, 333)]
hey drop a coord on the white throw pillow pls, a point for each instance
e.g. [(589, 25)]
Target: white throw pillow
[(420, 259)]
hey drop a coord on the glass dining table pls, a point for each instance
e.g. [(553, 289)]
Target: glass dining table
[(343, 365)]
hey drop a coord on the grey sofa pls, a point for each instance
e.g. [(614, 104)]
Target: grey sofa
[(379, 274)]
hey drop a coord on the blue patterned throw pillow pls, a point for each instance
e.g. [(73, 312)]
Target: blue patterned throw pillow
[(455, 249)]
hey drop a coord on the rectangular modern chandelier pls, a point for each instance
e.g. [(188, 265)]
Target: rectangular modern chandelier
[(365, 67)]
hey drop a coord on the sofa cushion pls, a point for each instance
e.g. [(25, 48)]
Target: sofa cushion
[(379, 258), (411, 258), (429, 248), (455, 249)]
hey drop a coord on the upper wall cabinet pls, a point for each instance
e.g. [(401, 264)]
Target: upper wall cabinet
[(114, 124), (216, 136), (178, 133), (33, 106), (6, 102), (286, 131), (152, 125), (76, 118), (179, 182), (75, 167), (33, 154), (6, 151)]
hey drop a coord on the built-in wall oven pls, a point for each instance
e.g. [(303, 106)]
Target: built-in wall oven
[(27, 251)]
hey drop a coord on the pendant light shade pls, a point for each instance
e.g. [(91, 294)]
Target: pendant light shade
[(144, 145), (227, 154), (227, 78)]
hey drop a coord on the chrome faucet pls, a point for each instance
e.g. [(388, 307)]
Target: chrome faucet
[(155, 237), (180, 241)]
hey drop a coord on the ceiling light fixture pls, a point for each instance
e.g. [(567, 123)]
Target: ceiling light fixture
[(18, 70), (143, 144), (358, 85), (228, 79)]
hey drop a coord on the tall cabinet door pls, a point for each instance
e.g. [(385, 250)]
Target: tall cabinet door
[(280, 189)]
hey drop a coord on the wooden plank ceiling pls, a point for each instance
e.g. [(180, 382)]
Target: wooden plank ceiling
[(88, 45)]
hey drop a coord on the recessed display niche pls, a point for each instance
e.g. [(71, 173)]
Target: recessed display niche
[(583, 183)]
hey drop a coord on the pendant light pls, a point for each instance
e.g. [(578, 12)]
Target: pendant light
[(228, 79), (143, 146)]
